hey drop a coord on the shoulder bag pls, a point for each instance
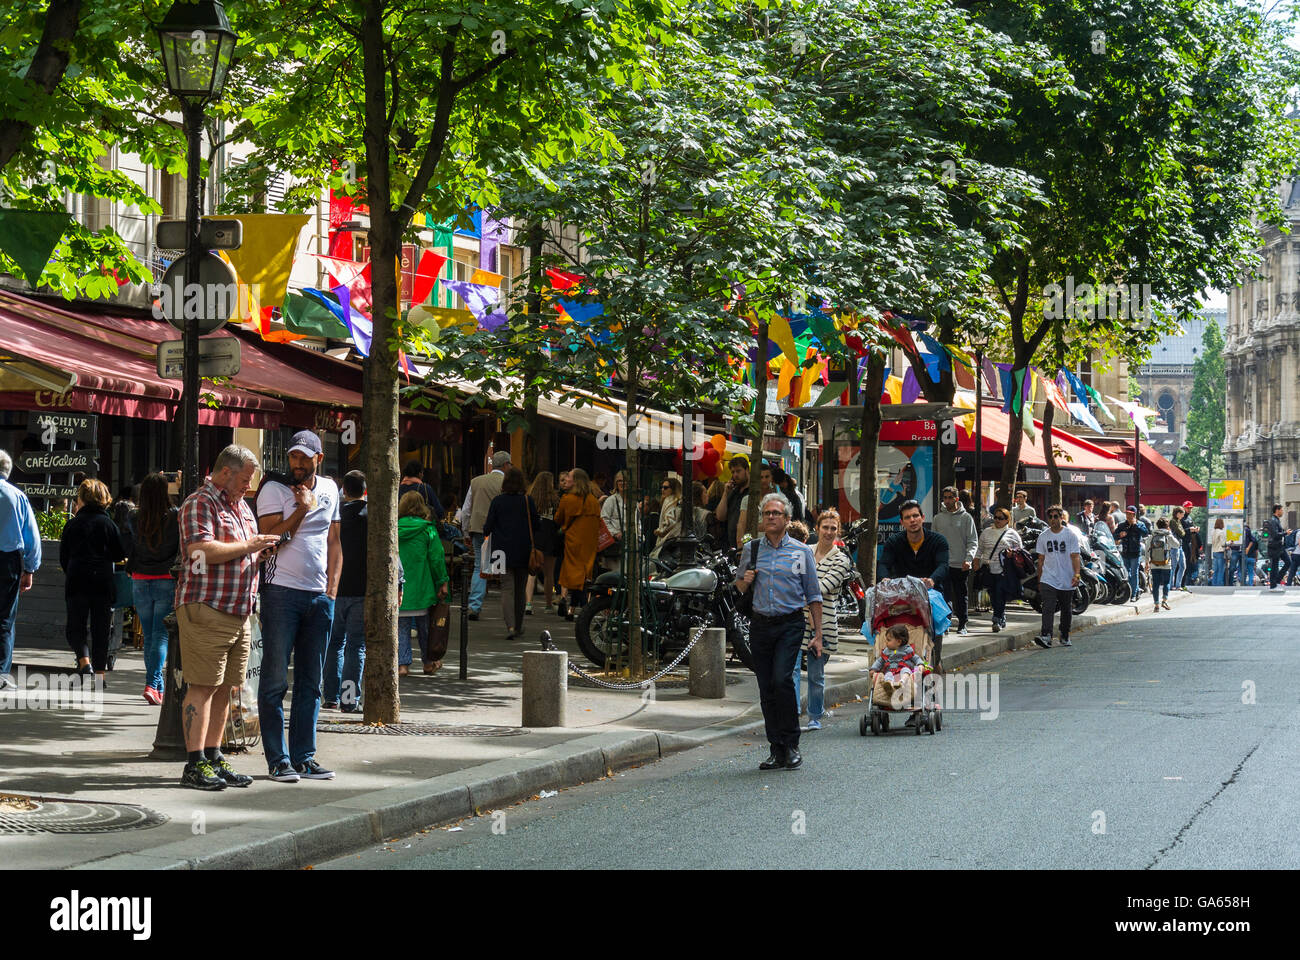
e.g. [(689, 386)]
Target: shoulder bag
[(536, 562)]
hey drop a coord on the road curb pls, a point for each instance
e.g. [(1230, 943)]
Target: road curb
[(344, 826)]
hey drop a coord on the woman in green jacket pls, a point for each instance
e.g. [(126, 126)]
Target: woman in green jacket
[(425, 569)]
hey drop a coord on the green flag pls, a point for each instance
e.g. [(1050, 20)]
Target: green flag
[(28, 237), (311, 318), (1096, 398)]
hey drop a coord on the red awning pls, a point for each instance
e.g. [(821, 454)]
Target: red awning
[(114, 369), (1162, 482), (1074, 453)]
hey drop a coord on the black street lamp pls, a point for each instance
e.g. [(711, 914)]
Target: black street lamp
[(197, 48)]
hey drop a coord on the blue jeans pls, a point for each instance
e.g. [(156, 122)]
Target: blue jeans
[(816, 685), (1132, 564), (1218, 570), (477, 585), (1159, 584), (1234, 567), (1179, 561), (1248, 578), (345, 657), (420, 623), (154, 599), (295, 624)]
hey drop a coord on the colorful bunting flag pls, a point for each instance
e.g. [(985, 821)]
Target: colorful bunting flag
[(779, 332), (911, 387), (29, 238), (1027, 405), (481, 300), (309, 316), (264, 258), (1096, 398), (1053, 394)]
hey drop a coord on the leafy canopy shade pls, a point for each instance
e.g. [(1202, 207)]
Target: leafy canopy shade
[(197, 47)]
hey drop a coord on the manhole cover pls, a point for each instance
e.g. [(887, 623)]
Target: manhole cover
[(672, 681), (27, 815), (420, 728)]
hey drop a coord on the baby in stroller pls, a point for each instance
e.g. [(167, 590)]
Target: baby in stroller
[(894, 672)]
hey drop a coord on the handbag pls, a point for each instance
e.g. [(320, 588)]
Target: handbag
[(605, 543), (439, 629), (986, 575), (745, 602), (536, 562)]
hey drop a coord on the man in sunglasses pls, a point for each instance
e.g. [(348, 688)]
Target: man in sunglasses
[(1058, 574)]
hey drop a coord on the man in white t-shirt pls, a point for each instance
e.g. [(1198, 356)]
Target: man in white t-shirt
[(1058, 573), (297, 606)]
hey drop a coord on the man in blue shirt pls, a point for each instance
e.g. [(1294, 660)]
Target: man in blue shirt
[(782, 572), (20, 557)]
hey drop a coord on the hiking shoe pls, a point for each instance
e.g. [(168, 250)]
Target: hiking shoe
[(311, 770), (1043, 642), (284, 773), (201, 776), (222, 768), (1065, 642)]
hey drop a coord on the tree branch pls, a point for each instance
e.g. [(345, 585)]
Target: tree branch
[(62, 19)]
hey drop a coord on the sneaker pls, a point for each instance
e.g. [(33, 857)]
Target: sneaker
[(1164, 604), (311, 770), (1065, 642), (284, 773), (201, 776), (151, 695), (329, 705), (528, 609), (1043, 642), (814, 725), (222, 768), (996, 626), (473, 615), (963, 632)]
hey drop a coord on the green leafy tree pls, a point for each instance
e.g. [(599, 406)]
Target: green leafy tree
[(1206, 410)]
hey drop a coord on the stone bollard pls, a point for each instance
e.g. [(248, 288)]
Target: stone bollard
[(546, 688), (708, 665)]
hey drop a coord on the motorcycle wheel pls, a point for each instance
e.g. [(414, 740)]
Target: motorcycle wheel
[(593, 630), (1082, 600), (1121, 592)]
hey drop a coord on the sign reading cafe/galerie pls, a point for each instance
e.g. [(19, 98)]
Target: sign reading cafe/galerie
[(55, 461)]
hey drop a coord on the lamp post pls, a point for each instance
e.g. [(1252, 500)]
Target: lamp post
[(197, 48), (979, 342)]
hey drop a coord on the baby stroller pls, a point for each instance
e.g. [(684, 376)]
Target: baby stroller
[(904, 601)]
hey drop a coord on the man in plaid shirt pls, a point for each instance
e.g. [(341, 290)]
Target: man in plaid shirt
[(220, 550)]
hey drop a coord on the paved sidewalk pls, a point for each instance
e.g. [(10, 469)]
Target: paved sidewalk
[(387, 785)]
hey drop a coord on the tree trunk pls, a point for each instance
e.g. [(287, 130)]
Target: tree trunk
[(868, 496), (380, 392), (48, 65), (632, 527), (1053, 472), (760, 421), (534, 361)]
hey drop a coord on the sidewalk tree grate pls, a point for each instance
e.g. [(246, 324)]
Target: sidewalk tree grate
[(420, 728), (23, 814)]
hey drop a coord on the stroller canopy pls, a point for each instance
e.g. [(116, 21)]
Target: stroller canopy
[(902, 600)]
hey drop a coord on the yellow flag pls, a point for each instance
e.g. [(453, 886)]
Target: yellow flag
[(894, 387), (265, 257), (486, 277), (783, 379), (778, 331), (805, 387), (445, 318)]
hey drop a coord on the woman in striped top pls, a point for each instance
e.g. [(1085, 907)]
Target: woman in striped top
[(834, 570)]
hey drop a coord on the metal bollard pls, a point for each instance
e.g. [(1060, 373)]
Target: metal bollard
[(546, 688), (708, 673)]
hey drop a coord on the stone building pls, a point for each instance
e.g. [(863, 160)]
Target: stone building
[(1261, 365), (1166, 381)]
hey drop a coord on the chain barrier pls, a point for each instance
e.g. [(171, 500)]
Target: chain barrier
[(574, 668)]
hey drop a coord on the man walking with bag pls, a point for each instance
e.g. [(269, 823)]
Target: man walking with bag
[(781, 572), (482, 490), (1276, 546)]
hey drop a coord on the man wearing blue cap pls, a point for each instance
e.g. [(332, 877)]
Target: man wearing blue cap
[(297, 606)]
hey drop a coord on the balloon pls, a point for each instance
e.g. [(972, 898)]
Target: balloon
[(709, 462), (719, 442)]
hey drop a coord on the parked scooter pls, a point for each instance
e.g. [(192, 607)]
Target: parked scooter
[(1103, 545)]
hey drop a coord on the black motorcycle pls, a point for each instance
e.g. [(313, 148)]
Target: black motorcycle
[(1103, 544), (672, 608)]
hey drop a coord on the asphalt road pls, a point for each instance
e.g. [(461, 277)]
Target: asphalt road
[(1137, 748)]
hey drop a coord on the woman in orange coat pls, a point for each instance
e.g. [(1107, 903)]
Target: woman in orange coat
[(578, 515)]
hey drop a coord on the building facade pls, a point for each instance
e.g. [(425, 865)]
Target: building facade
[(1166, 381), (1261, 365)]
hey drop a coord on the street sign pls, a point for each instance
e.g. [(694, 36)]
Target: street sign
[(48, 491), (214, 234), (218, 357), (214, 301), (57, 461), (77, 427)]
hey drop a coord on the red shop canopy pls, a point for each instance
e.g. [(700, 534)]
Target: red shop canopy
[(1093, 463), (105, 370), (1162, 482)]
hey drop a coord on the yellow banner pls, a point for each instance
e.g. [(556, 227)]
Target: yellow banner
[(265, 258)]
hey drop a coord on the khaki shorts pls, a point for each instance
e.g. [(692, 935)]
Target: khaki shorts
[(214, 645)]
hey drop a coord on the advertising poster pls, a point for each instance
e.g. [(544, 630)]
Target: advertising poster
[(1226, 496), (903, 472), (1234, 527)]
